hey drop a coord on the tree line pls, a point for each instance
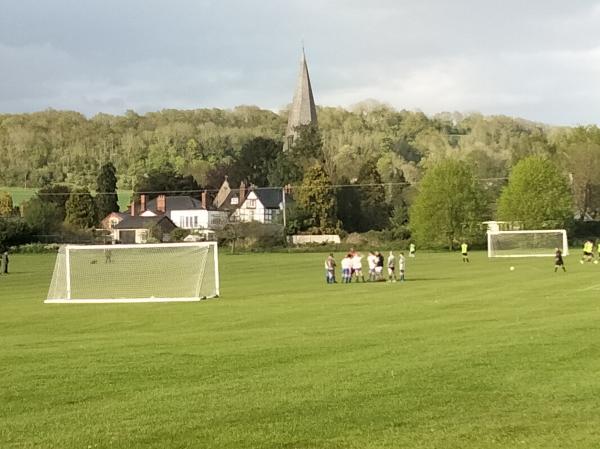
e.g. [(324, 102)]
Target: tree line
[(394, 156)]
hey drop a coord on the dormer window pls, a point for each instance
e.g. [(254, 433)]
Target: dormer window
[(234, 200)]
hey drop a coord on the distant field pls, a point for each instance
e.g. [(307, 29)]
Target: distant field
[(20, 194), (460, 356)]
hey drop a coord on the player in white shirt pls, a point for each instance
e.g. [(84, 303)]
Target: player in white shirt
[(391, 266), (346, 267), (372, 261), (357, 267), (401, 266)]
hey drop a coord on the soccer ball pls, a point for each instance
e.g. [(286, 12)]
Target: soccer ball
[(595, 262), (512, 268), (581, 262)]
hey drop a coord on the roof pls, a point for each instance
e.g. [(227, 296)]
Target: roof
[(178, 202), (303, 110), (227, 204), (139, 222), (270, 197)]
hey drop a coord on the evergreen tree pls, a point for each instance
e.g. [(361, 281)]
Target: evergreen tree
[(57, 195), (106, 186), (374, 211), (315, 197), (255, 162), (348, 205), (80, 208)]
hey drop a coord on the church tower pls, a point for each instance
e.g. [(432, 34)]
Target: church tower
[(303, 110)]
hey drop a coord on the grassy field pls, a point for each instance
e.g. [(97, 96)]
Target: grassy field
[(21, 194), (459, 356)]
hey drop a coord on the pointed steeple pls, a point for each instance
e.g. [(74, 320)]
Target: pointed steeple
[(303, 110)]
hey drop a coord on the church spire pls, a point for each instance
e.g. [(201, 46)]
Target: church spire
[(303, 110)]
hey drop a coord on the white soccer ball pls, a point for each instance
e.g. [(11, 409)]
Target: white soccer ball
[(581, 262), (512, 268), (595, 262)]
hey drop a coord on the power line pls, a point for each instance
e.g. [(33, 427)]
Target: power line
[(200, 191)]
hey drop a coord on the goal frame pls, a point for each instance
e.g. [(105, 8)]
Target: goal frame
[(69, 300), (563, 232)]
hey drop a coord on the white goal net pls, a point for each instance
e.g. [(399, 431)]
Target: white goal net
[(160, 272), (535, 243)]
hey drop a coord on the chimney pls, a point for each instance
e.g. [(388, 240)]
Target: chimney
[(204, 202), (143, 199), (161, 204), (242, 191), (132, 208)]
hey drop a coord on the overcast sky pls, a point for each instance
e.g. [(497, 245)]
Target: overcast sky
[(537, 59)]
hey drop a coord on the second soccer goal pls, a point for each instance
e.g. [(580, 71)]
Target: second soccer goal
[(533, 243), (161, 272)]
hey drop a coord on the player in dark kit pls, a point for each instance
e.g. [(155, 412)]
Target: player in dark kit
[(558, 261)]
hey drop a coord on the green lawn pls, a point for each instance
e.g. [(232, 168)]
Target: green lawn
[(21, 194), (459, 356)]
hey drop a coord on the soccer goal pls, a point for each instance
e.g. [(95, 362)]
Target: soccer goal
[(162, 272), (535, 243)]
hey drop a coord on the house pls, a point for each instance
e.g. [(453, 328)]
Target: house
[(136, 228), (184, 211), (228, 200), (112, 219), (264, 205)]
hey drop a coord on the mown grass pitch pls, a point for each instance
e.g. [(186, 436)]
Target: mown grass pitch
[(460, 356)]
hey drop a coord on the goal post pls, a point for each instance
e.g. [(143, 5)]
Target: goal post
[(531, 243), (161, 272)]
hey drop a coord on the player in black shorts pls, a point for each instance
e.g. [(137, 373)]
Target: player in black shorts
[(558, 261)]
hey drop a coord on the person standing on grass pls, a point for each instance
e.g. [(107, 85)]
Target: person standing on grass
[(401, 266), (412, 250), (357, 267), (391, 266), (372, 262), (379, 267), (346, 267), (5, 261), (558, 261), (464, 249), (588, 250), (330, 269)]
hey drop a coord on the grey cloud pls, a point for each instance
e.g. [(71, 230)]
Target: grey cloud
[(537, 59)]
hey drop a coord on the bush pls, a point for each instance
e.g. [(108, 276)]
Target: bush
[(178, 234), (251, 236), (35, 248), (13, 232)]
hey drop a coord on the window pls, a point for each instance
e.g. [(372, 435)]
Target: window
[(250, 215), (195, 222), (251, 204), (234, 200), (268, 215)]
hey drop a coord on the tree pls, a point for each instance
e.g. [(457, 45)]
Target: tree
[(13, 231), (449, 206), (6, 204), (374, 211), (348, 205), (256, 160), (57, 195), (308, 146), (107, 200), (80, 208), (537, 195), (166, 180), (315, 196), (41, 216)]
